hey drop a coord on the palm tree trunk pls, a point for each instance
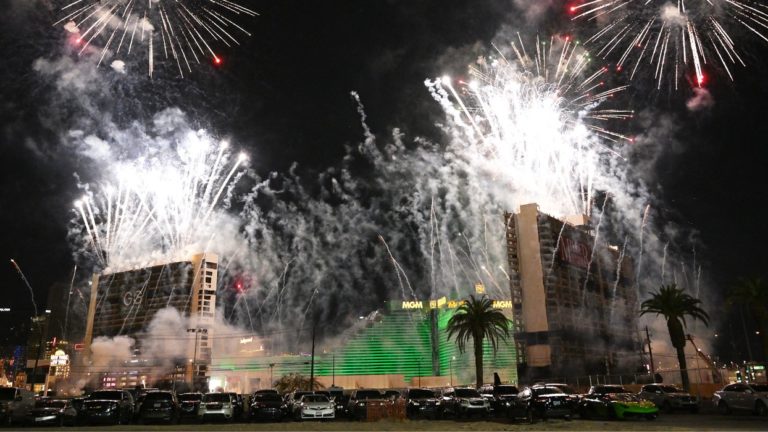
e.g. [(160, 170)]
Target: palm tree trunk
[(683, 368), (478, 341)]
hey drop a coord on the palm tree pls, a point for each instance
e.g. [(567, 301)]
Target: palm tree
[(675, 305), (477, 319), (752, 293), (293, 381)]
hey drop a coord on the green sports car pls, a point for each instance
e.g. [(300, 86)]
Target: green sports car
[(613, 401)]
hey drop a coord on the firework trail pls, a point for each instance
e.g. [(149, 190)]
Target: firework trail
[(159, 204), (537, 122), (182, 31), (26, 282), (674, 39)]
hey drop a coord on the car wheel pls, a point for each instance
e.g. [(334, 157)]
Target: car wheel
[(760, 409), (584, 413), (723, 408), (529, 417), (651, 417)]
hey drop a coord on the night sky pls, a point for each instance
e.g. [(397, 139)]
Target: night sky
[(284, 96)]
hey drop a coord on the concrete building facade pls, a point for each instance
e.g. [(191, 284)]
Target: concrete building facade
[(575, 304)]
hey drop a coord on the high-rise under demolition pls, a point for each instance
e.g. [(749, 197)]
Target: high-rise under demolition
[(575, 306), (125, 303)]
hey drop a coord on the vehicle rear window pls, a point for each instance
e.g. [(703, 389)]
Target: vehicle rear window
[(467, 393), (368, 394), (7, 394), (190, 397), (267, 397), (504, 389), (50, 404), (421, 394), (106, 395), (610, 390), (216, 397), (158, 396), (565, 389), (670, 389)]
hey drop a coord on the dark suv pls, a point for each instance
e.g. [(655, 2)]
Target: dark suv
[(189, 404), (360, 400), (464, 402), (266, 406), (500, 396), (108, 406), (544, 401), (422, 403), (160, 406)]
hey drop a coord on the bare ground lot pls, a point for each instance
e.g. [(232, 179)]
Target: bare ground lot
[(671, 422)]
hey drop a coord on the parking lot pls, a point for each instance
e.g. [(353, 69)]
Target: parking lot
[(670, 422)]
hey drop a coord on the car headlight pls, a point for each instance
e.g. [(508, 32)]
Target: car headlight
[(437, 402), (415, 403), (464, 402), (361, 404)]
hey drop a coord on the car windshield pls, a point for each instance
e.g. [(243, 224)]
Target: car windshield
[(610, 390), (421, 394), (216, 397), (670, 389), (505, 389), (7, 393), (190, 397), (50, 404), (368, 394), (541, 391), (158, 396), (760, 387), (467, 393), (267, 397), (106, 395), (315, 398), (564, 389)]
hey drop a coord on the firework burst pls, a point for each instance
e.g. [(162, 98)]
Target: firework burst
[(184, 32), (159, 205), (676, 39), (537, 122)]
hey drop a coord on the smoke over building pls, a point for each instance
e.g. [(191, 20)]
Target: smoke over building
[(575, 306), (158, 320)]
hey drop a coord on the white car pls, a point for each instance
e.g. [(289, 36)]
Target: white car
[(216, 405), (742, 397), (315, 406)]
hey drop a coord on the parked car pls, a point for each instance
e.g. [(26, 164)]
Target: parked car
[(315, 407), (266, 406), (614, 401), (272, 391), (239, 405), (57, 412), (77, 404), (669, 398), (500, 396), (340, 401), (219, 406), (361, 400), (160, 406), (423, 403), (464, 402), (742, 397), (15, 403), (544, 401), (189, 404), (108, 406), (292, 400)]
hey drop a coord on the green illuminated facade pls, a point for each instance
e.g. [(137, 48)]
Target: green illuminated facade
[(413, 344)]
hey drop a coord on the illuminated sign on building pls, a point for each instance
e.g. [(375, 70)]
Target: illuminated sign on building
[(441, 303)]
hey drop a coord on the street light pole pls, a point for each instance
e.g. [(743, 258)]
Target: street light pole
[(452, 359), (271, 381)]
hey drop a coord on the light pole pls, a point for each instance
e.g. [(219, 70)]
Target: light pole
[(271, 381), (419, 375), (451, 363)]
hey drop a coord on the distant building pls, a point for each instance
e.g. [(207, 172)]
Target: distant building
[(37, 352), (575, 305), (124, 304)]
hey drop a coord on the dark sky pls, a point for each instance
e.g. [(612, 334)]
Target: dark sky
[(284, 96)]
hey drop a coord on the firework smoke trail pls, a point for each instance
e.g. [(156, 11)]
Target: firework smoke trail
[(188, 29), (536, 122), (26, 282), (160, 204), (673, 38)]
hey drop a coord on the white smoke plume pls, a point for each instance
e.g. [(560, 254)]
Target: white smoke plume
[(109, 352), (701, 100)]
